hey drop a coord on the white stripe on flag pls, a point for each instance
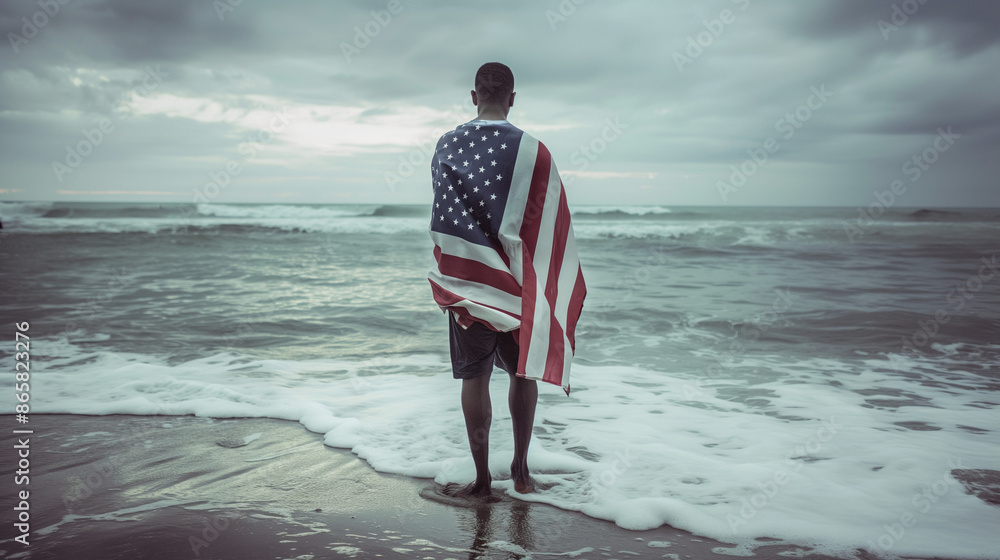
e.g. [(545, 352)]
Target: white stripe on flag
[(501, 321), (458, 247)]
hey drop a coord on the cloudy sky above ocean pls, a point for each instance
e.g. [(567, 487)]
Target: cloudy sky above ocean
[(741, 102)]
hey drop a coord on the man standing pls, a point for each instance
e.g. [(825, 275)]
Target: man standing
[(507, 271)]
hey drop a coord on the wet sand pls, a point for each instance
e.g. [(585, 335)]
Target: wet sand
[(184, 487)]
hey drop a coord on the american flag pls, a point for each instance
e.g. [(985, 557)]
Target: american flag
[(504, 245)]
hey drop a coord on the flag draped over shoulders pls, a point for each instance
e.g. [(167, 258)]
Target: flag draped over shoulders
[(504, 245)]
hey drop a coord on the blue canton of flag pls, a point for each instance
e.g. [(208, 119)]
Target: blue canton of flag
[(471, 173)]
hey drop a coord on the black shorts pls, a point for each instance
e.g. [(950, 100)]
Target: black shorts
[(475, 350)]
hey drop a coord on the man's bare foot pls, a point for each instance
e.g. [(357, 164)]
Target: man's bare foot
[(471, 491), (523, 483), (522, 487)]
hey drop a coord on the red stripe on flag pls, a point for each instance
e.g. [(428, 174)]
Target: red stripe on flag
[(535, 204), (475, 271), (575, 307), (530, 227)]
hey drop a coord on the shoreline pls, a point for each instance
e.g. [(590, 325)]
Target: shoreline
[(186, 487)]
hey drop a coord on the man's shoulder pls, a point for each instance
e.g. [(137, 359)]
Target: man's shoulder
[(470, 127), (485, 130)]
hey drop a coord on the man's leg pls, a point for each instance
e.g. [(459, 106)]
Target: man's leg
[(521, 398), (478, 416), (472, 352)]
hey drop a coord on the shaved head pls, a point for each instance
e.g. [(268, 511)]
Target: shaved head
[(494, 82)]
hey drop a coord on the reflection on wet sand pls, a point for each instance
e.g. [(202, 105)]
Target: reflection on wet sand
[(502, 528)]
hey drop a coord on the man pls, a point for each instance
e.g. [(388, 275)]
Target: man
[(507, 272)]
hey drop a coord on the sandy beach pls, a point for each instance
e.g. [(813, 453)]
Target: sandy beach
[(157, 487)]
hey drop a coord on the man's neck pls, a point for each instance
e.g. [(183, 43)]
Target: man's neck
[(491, 114)]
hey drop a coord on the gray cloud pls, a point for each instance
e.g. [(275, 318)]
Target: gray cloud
[(966, 27)]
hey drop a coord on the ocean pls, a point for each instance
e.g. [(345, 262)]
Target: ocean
[(753, 375)]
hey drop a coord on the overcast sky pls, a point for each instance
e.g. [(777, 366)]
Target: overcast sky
[(640, 102)]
